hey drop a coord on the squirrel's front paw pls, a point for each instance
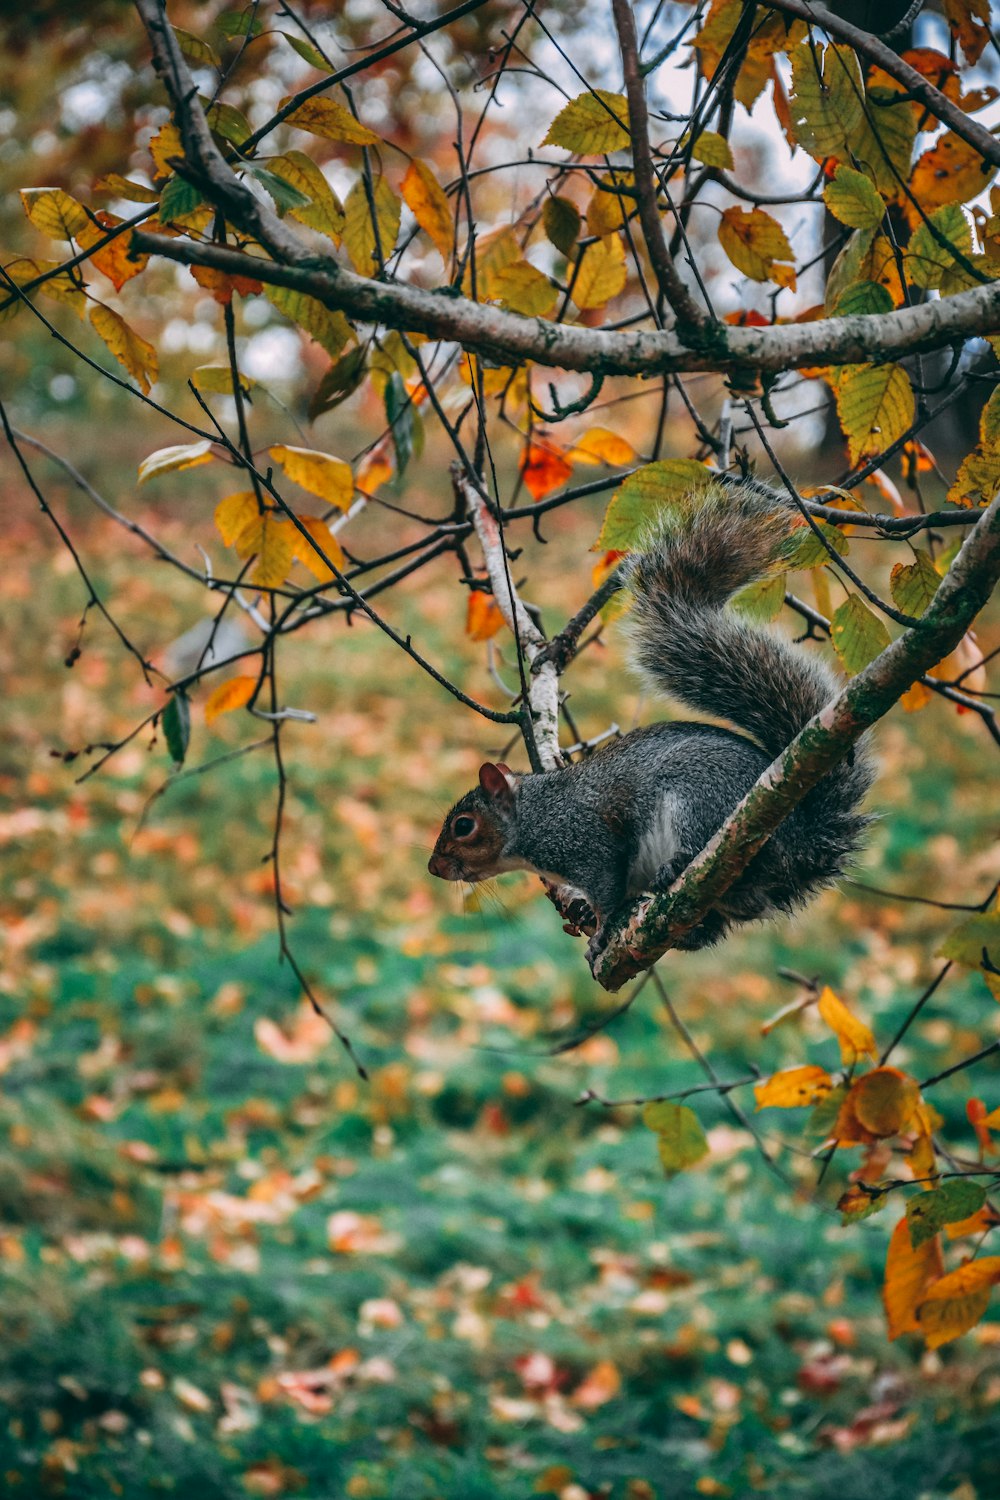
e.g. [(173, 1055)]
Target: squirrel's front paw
[(597, 945)]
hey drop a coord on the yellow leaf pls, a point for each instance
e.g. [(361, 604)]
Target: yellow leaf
[(598, 445), (166, 146), (602, 273), (59, 288), (324, 212), (331, 330), (712, 149), (908, 1275), (915, 698), (854, 1036), (524, 289), (272, 538), (132, 352), (326, 542), (426, 199), (359, 230), (124, 187), (858, 634), (978, 477), (493, 254), (754, 242), (793, 1087), (827, 100), (54, 212), (217, 380), (950, 172), (180, 456), (956, 1302), (234, 514), (875, 406), (607, 209), (591, 124), (228, 696), (320, 473), (332, 121)]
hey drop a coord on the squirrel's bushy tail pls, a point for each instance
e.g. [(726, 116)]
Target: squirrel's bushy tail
[(687, 644)]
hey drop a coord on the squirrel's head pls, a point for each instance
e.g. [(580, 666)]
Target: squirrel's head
[(471, 842)]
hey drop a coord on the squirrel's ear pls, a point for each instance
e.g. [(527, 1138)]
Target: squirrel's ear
[(496, 782)]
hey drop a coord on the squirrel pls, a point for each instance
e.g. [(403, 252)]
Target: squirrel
[(632, 816)]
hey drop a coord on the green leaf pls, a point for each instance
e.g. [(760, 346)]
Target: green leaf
[(178, 199), (340, 381), (226, 120), (927, 1213), (804, 549), (875, 405), (285, 194), (591, 124), (864, 297), (176, 723), (239, 23), (853, 199), (637, 499), (858, 634), (928, 261), (195, 49), (826, 104), (974, 938), (399, 411), (561, 221), (760, 601), (681, 1140), (306, 51), (914, 585), (857, 1204), (824, 1116), (359, 231)]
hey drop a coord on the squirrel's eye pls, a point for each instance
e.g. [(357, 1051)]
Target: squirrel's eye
[(464, 827)]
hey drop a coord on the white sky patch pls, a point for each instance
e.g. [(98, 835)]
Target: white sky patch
[(273, 354)]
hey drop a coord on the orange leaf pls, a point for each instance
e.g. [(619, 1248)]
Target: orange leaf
[(978, 1118), (950, 172), (222, 286), (956, 1302), (326, 541), (908, 1274), (793, 1087), (604, 567), (113, 260), (854, 1036), (601, 1384), (234, 693), (543, 469), (983, 1219), (483, 619), (599, 445)]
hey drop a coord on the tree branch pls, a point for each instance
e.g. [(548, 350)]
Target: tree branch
[(656, 920)]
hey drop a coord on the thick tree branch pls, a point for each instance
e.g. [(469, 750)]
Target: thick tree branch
[(876, 51), (513, 339), (690, 317), (654, 922)]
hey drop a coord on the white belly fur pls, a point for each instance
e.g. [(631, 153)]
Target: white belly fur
[(657, 847)]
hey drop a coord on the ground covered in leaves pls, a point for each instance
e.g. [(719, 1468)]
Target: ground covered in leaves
[(228, 1267)]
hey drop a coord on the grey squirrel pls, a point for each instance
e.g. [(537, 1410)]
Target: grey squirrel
[(632, 816)]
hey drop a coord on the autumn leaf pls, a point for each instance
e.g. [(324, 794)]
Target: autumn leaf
[(601, 274), (591, 124), (793, 1087), (234, 514), (222, 285), (909, 1273), (969, 21), (929, 255), (333, 121), (712, 149), (827, 99), (634, 503), (858, 634), (544, 468), (952, 171), (272, 538), (482, 617), (954, 1200), (956, 1302), (426, 199), (875, 405), (131, 351), (180, 456), (854, 1036), (368, 253), (913, 585), (115, 260), (327, 543), (561, 221), (54, 212), (756, 243), (331, 330), (217, 380), (884, 1101), (230, 695), (320, 473), (524, 289), (324, 211), (598, 445)]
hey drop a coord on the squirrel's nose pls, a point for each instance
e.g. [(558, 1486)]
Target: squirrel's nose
[(434, 866)]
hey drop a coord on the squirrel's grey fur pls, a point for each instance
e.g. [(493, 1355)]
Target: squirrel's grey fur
[(632, 816)]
